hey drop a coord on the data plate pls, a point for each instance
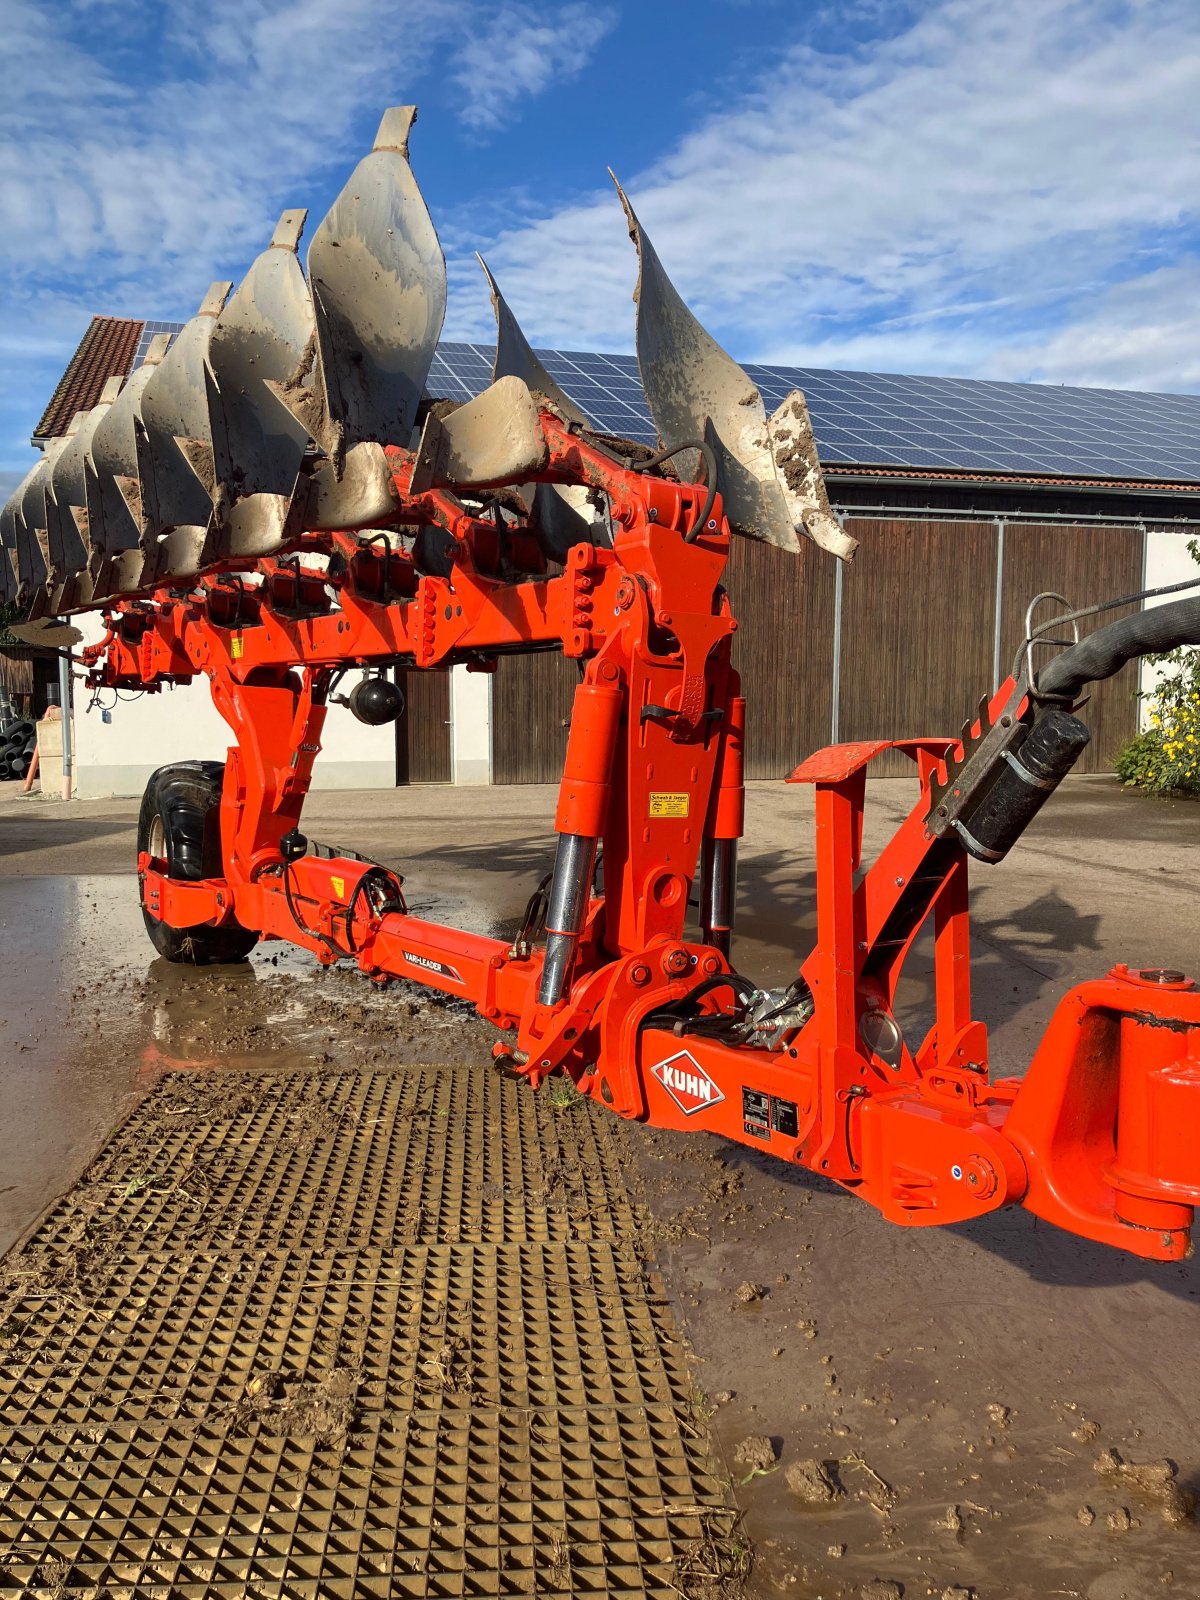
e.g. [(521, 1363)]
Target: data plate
[(764, 1114)]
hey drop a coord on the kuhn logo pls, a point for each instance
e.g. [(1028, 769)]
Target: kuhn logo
[(686, 1081)]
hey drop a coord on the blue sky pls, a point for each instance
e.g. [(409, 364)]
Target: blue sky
[(950, 186)]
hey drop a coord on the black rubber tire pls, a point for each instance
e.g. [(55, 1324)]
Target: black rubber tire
[(184, 801)]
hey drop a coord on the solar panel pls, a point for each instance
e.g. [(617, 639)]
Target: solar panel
[(149, 329), (876, 419)]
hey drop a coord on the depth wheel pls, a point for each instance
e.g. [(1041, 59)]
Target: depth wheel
[(179, 825)]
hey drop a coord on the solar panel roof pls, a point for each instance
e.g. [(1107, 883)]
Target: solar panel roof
[(888, 420), (149, 329)]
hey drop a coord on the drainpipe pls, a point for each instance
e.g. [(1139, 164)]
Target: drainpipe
[(835, 693), (998, 619), (68, 742)]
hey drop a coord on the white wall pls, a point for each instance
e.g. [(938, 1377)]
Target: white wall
[(182, 724), (471, 725), (1167, 561), (117, 757), (354, 756)]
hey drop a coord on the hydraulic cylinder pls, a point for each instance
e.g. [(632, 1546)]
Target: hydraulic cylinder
[(583, 798)]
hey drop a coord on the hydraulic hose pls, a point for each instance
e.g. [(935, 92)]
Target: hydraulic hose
[(1104, 652), (999, 794), (707, 454)]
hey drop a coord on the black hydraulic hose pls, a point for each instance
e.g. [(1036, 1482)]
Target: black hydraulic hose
[(709, 457), (1011, 781), (313, 933), (374, 877), (1045, 629), (1106, 651)]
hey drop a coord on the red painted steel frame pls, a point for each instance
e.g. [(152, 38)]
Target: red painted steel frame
[(1099, 1137)]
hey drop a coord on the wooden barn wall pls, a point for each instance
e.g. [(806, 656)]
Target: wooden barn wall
[(16, 674), (1087, 564), (423, 728), (531, 702), (783, 650), (917, 643), (918, 627)]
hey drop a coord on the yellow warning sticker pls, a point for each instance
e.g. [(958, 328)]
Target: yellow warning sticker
[(235, 647), (339, 886), (668, 805)]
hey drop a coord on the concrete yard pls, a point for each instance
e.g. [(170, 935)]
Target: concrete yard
[(339, 1311)]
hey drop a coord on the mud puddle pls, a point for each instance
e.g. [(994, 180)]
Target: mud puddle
[(90, 1017)]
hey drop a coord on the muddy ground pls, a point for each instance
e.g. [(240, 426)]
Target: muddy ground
[(978, 1408)]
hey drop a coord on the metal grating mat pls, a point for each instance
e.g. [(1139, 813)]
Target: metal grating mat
[(451, 1326), (195, 1403), (589, 1500), (331, 1159)]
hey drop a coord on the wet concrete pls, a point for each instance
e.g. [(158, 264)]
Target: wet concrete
[(962, 1383), (68, 1071), (869, 1342), (90, 1016)]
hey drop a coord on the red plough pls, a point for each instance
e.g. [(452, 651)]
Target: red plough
[(275, 502)]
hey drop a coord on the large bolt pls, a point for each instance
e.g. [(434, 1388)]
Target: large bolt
[(640, 977), (981, 1177), (676, 962)]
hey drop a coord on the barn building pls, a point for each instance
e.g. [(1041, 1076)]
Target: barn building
[(968, 498)]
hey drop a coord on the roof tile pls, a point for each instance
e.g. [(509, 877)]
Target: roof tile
[(106, 349)]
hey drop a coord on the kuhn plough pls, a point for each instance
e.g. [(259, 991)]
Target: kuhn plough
[(275, 500)]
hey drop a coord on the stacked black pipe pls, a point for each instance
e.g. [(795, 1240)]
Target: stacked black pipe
[(18, 741)]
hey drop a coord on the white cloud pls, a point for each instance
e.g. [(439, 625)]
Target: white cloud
[(948, 197), (1141, 334), (106, 173), (1137, 334), (256, 102), (521, 51), (992, 190), (143, 156)]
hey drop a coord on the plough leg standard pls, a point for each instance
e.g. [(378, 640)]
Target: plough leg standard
[(368, 527)]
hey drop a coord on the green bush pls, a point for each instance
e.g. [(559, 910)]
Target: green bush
[(1159, 766), (9, 612), (1165, 759)]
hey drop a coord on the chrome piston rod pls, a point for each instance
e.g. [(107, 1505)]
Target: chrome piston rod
[(718, 892), (570, 891)]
